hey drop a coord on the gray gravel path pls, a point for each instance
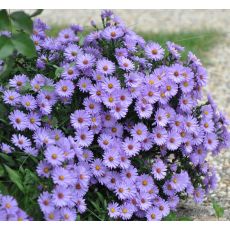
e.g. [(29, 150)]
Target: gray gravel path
[(219, 72)]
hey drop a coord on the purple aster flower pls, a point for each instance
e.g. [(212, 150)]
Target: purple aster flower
[(180, 181), (170, 88), (173, 201), (201, 76), (144, 182), (163, 208), (80, 119), (207, 111), (68, 214), (42, 136), (111, 158), (11, 97), (124, 97), (18, 119), (119, 110), (34, 121), (161, 117), (190, 124), (121, 52), (31, 151), (69, 72), (125, 161), (133, 79), (61, 196), (110, 99), (186, 103), (144, 110), (110, 84), (9, 204), (207, 125), (112, 33), (66, 36), (114, 210), (187, 85), (96, 92), (84, 136), (139, 132), (198, 195), (72, 51), (5, 148), (85, 61), (64, 88), (174, 49), (44, 169), (122, 190), (126, 211), (105, 66), (168, 189), (61, 176), (29, 102), (91, 106), (45, 202), (147, 143), (18, 81), (54, 155), (53, 216), (154, 51), (20, 141), (44, 106), (97, 167), (173, 140), (153, 214), (131, 146), (144, 201), (211, 141), (130, 174), (125, 64), (159, 170), (22, 216), (160, 135), (151, 94), (199, 155), (175, 73), (84, 84)]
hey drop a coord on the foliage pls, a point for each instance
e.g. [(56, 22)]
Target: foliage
[(219, 211)]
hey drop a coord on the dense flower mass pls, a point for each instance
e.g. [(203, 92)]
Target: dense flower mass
[(9, 210), (114, 111)]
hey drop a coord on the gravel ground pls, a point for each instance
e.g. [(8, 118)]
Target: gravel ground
[(219, 77)]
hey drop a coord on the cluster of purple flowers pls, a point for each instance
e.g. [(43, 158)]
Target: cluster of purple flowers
[(135, 127), (9, 210)]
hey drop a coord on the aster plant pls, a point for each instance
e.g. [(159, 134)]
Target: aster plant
[(108, 126)]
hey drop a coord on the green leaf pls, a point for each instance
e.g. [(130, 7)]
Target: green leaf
[(36, 13), (3, 189), (48, 88), (24, 44), (26, 88), (2, 171), (59, 71), (4, 20), (6, 47), (15, 177), (22, 21), (219, 211), (7, 158)]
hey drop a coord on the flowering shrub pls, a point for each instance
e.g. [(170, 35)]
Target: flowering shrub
[(114, 126)]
